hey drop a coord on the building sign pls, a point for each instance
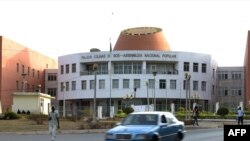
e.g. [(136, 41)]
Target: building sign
[(130, 55)]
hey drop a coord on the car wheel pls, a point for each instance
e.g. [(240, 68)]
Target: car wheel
[(179, 136), (155, 138)]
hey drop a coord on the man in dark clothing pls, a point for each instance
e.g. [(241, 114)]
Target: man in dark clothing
[(195, 115)]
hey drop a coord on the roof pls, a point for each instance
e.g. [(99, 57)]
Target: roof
[(142, 38)]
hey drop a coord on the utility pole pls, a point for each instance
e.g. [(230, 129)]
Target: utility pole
[(94, 109), (154, 73)]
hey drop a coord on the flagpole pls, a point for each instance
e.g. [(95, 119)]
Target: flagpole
[(110, 70)]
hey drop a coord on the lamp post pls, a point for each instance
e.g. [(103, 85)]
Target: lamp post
[(64, 113), (94, 110), (39, 87), (147, 96), (154, 73), (187, 78), (135, 96), (166, 98)]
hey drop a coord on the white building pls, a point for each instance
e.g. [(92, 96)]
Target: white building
[(138, 53)]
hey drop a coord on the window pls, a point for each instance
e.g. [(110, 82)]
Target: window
[(73, 68), (236, 75), (102, 68), (23, 70), (162, 84), (203, 85), (17, 67), (62, 69), (92, 84), (62, 87), (151, 84), (226, 92), (195, 85), (137, 67), (118, 68), (73, 85), (67, 68), (203, 68), (28, 71), (38, 74), (195, 67), (33, 72), (52, 76), (52, 91), (102, 84), (222, 75), (67, 86), (125, 83), (173, 84), (127, 68), (186, 66), (115, 83), (239, 92), (136, 83), (84, 84)]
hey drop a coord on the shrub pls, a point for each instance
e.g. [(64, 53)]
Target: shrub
[(10, 115), (18, 111), (222, 111), (128, 110), (38, 118)]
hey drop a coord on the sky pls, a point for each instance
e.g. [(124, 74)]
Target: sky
[(60, 27)]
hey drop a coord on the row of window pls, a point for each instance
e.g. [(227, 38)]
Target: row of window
[(136, 84), (195, 67), (52, 76), (29, 71), (133, 68), (24, 86), (224, 75), (67, 68), (226, 91)]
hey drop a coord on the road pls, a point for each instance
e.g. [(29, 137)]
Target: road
[(213, 134)]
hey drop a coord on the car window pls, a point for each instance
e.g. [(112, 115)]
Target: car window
[(141, 119), (163, 119)]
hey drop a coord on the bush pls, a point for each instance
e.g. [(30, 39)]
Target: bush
[(222, 111), (38, 118), (10, 115), (128, 110)]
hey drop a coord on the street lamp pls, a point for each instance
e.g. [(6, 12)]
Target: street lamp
[(187, 78), (94, 110), (147, 96), (154, 73), (39, 87), (135, 96)]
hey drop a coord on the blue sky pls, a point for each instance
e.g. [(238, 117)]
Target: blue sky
[(60, 27)]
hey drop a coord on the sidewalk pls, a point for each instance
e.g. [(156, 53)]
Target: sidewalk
[(203, 124)]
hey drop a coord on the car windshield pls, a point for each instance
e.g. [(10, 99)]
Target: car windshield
[(140, 119)]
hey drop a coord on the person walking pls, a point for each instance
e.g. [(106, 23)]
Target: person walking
[(53, 123), (195, 115), (240, 114)]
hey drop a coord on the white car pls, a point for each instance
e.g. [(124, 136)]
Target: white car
[(147, 126)]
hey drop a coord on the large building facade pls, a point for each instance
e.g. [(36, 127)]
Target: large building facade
[(22, 70), (141, 69)]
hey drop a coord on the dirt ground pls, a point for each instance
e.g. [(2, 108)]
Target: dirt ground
[(29, 125)]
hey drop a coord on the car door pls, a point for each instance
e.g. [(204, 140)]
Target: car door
[(165, 130)]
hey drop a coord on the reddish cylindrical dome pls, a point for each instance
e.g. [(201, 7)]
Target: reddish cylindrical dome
[(142, 38)]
